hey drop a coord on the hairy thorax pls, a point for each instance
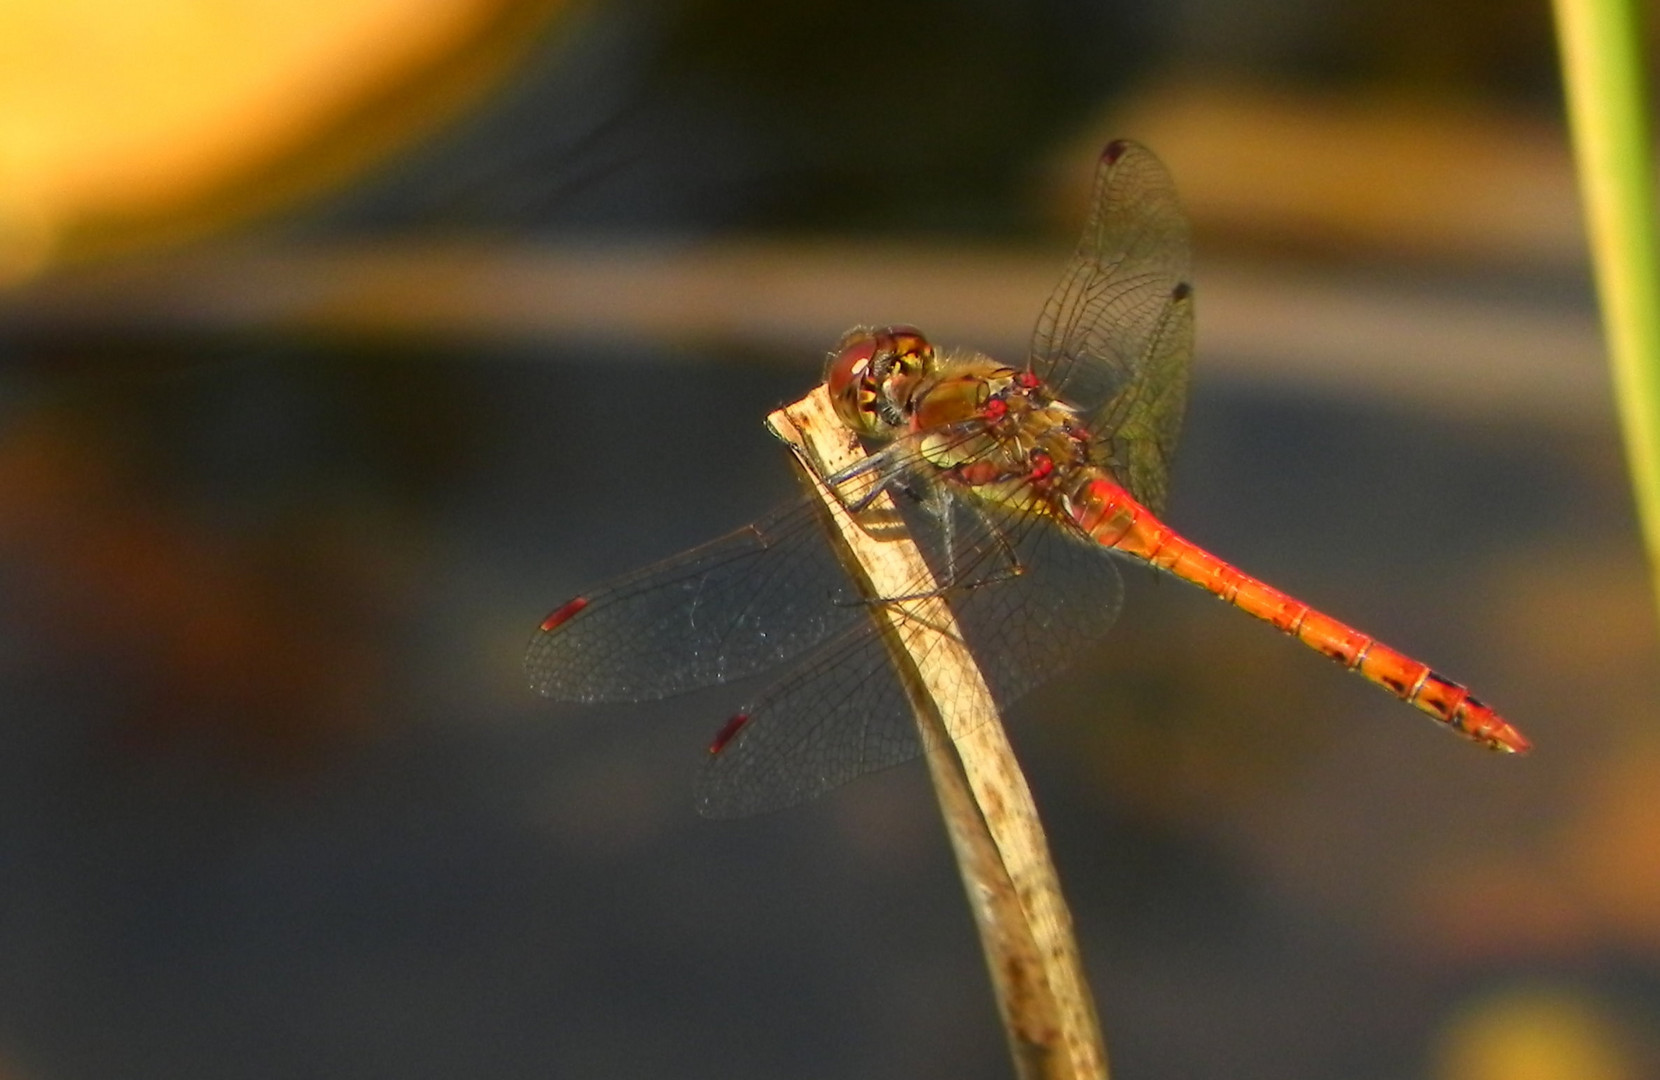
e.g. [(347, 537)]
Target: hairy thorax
[(999, 431)]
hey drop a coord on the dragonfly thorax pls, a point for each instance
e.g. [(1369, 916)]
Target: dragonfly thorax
[(998, 430), (995, 429)]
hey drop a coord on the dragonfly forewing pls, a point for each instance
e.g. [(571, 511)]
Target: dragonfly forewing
[(719, 612), (1115, 337)]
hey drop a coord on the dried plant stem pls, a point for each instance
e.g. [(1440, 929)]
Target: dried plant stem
[(1024, 924)]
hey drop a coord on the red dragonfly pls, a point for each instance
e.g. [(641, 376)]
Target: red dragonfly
[(1020, 486)]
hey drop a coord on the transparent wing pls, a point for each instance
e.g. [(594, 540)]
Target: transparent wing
[(1026, 629), (723, 611), (715, 613), (1029, 597), (837, 718), (1116, 336)]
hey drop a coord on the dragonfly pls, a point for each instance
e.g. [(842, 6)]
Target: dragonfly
[(1024, 488)]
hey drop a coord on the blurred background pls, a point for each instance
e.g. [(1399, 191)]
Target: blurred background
[(343, 341)]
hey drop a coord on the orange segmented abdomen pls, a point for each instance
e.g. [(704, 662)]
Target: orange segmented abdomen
[(1112, 518)]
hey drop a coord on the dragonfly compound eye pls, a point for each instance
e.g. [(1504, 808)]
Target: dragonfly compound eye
[(848, 378), (903, 351), (872, 375), (902, 358)]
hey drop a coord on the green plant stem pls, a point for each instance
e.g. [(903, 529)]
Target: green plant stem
[(1607, 96)]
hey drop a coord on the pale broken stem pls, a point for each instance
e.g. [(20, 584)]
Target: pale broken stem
[(1002, 854)]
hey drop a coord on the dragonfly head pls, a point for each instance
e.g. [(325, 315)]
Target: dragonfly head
[(872, 375)]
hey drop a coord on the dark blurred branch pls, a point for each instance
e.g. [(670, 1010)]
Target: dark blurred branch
[(1421, 348)]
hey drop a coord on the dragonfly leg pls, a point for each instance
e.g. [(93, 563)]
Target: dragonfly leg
[(1003, 566), (887, 475)]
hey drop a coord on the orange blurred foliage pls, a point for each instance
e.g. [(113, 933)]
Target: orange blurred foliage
[(112, 113), (264, 649)]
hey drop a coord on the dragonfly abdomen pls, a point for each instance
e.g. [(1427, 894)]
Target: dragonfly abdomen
[(1111, 517)]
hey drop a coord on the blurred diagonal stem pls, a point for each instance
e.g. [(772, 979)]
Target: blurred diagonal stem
[(1602, 72), (1002, 854)]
